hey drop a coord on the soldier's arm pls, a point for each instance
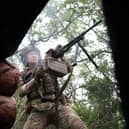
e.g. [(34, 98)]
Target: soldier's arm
[(25, 88)]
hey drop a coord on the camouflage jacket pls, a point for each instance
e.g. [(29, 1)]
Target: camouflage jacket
[(44, 87)]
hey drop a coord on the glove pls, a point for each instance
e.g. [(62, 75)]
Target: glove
[(39, 73)]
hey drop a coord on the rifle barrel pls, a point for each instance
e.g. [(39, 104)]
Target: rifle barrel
[(78, 38)]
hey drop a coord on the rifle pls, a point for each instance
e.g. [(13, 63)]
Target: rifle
[(59, 52)]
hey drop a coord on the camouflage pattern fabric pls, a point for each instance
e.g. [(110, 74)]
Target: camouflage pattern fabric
[(68, 119), (43, 114)]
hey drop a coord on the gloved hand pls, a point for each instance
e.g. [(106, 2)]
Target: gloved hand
[(27, 87), (39, 73)]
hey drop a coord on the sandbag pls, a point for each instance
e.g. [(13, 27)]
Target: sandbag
[(8, 109), (9, 76)]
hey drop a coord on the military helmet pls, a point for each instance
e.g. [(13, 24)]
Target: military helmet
[(26, 50)]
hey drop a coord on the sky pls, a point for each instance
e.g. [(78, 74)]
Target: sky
[(52, 43)]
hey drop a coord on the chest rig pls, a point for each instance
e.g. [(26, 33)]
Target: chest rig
[(53, 68), (47, 84)]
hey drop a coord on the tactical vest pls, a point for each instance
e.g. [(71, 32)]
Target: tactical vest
[(45, 86)]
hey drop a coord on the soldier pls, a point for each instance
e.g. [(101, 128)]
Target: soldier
[(9, 77), (39, 84)]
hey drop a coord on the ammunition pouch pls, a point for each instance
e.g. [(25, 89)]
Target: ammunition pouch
[(62, 99), (59, 68)]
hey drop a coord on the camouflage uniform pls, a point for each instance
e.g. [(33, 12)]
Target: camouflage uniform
[(41, 113)]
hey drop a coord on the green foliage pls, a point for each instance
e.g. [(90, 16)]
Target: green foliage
[(21, 115), (97, 102)]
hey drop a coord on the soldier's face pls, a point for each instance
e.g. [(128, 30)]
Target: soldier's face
[(33, 57)]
